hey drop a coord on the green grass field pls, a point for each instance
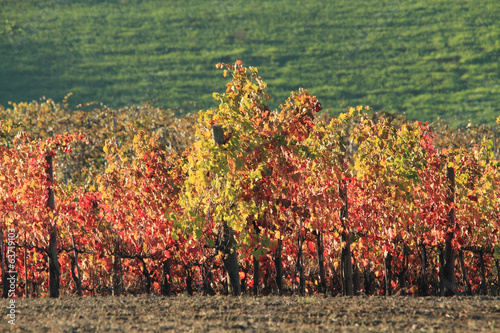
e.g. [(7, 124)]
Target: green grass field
[(425, 58)]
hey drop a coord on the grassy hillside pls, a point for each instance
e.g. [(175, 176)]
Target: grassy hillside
[(427, 58)]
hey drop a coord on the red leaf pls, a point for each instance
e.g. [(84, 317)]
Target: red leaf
[(310, 244)]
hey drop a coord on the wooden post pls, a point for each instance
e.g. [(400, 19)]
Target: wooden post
[(321, 262), (50, 177), (388, 274), (117, 271), (228, 245), (218, 135), (448, 276), (423, 287), (277, 263), (189, 282), (166, 283), (346, 271), (54, 267), (256, 277)]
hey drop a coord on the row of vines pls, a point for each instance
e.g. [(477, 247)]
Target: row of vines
[(246, 199)]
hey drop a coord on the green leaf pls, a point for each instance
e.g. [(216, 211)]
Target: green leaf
[(496, 253), (198, 234)]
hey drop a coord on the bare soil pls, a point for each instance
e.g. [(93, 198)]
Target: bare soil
[(254, 314)]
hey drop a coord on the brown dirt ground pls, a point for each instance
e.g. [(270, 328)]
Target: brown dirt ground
[(255, 314)]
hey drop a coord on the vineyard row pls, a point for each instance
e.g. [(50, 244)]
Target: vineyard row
[(262, 201)]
